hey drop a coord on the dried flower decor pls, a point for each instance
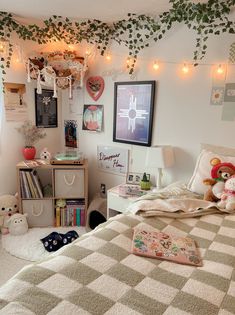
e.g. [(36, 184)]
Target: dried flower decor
[(31, 133)]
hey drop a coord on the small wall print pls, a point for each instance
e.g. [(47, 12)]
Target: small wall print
[(46, 109), (112, 159), (93, 117), (70, 133), (15, 103), (217, 95)]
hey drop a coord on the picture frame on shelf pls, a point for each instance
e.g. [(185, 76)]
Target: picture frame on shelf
[(46, 109), (135, 178), (133, 112)]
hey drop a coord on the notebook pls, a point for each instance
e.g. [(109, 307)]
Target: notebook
[(154, 244)]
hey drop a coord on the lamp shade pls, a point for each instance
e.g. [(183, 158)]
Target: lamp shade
[(160, 156)]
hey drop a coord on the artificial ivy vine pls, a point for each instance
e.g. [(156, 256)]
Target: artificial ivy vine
[(136, 32)]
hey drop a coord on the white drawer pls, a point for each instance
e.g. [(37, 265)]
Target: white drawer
[(40, 212), (69, 183)]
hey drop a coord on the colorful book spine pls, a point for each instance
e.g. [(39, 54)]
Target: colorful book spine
[(57, 216), (78, 217), (82, 217)]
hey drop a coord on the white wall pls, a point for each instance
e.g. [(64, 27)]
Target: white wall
[(183, 115), (11, 142)]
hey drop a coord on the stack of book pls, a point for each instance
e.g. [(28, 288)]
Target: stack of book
[(30, 184), (73, 214)]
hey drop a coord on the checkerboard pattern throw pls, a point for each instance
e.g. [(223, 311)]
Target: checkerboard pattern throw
[(97, 274)]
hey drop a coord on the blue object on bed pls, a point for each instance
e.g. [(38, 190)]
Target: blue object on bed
[(55, 240)]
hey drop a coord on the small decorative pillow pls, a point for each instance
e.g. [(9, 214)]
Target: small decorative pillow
[(55, 240), (203, 170), (160, 245)]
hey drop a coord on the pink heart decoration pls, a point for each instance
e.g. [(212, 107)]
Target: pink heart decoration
[(95, 87)]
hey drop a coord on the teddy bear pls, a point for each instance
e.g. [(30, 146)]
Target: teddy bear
[(228, 196), (8, 206), (18, 224), (220, 173)]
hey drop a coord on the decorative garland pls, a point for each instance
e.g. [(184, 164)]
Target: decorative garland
[(136, 32)]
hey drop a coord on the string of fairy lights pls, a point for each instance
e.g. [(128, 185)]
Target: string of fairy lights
[(220, 68)]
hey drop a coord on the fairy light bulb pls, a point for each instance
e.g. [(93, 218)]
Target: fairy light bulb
[(108, 57), (220, 69), (185, 68), (70, 47), (156, 65)]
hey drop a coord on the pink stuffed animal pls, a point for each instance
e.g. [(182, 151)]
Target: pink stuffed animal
[(228, 196)]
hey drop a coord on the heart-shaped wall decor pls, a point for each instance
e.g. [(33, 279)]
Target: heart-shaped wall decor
[(95, 87)]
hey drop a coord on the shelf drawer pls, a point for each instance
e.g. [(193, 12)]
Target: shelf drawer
[(40, 212), (69, 184)]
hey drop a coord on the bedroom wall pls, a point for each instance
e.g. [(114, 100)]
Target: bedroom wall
[(183, 115), (11, 142)]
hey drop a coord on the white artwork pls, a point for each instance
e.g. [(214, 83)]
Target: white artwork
[(112, 159)]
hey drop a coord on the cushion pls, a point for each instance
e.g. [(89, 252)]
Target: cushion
[(55, 240), (203, 170), (151, 243), (218, 149)]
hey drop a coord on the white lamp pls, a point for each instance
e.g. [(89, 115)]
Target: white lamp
[(159, 157)]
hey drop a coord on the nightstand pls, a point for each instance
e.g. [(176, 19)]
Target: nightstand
[(116, 203)]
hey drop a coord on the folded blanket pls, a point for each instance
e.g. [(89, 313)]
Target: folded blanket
[(174, 201)]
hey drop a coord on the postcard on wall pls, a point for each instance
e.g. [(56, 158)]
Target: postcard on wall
[(217, 95), (93, 117), (112, 159), (15, 102), (228, 113), (70, 132)]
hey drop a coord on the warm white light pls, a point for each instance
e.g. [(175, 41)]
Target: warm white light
[(108, 57), (71, 47), (185, 68), (220, 70), (156, 65)]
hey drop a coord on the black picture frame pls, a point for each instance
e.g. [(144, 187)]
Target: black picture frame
[(46, 109), (133, 112)]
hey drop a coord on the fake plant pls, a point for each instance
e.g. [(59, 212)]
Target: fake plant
[(136, 32), (31, 133)]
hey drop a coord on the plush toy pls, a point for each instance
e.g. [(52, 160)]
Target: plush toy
[(8, 206), (45, 154), (228, 197), (18, 224), (220, 173)]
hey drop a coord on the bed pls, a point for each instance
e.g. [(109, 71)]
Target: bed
[(97, 274)]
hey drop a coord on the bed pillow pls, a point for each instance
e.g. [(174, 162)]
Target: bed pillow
[(218, 149), (203, 170)]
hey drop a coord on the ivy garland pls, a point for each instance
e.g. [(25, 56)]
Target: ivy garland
[(136, 32)]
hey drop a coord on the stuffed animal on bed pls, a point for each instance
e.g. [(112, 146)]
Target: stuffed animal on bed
[(228, 197), (8, 206), (220, 173)]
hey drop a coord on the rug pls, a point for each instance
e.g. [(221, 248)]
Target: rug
[(29, 247)]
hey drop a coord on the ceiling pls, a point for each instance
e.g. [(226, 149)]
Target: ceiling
[(106, 10)]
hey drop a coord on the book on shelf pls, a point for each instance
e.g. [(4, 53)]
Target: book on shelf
[(30, 184), (26, 185), (73, 214), (37, 183)]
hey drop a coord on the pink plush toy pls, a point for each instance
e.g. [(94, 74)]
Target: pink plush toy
[(228, 197), (8, 206)]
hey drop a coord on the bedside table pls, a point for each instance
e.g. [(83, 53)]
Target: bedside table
[(116, 203)]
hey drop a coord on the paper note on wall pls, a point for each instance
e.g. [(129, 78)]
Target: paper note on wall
[(112, 159)]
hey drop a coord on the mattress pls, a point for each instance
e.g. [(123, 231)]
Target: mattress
[(98, 274)]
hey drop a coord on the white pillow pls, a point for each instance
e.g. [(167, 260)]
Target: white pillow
[(203, 170), (218, 149)]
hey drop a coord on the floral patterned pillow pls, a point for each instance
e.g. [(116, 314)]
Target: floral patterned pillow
[(160, 245)]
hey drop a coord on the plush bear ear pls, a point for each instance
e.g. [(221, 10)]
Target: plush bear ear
[(25, 214), (16, 195)]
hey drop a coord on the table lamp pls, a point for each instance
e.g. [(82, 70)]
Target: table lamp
[(159, 157)]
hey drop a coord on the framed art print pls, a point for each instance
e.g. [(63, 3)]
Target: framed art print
[(133, 112), (92, 117), (46, 109)]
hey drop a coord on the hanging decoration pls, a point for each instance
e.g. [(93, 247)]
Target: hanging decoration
[(95, 87), (136, 32), (57, 70)]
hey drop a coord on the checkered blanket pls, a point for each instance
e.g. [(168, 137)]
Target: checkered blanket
[(97, 274)]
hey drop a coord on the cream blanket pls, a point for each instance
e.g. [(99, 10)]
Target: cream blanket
[(174, 201)]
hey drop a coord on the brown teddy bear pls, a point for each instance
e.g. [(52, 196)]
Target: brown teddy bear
[(220, 172)]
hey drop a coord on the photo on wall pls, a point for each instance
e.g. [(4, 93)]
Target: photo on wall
[(15, 103), (46, 109), (70, 133), (93, 118)]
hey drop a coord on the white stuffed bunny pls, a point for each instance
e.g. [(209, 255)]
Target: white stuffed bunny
[(228, 197), (18, 224)]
